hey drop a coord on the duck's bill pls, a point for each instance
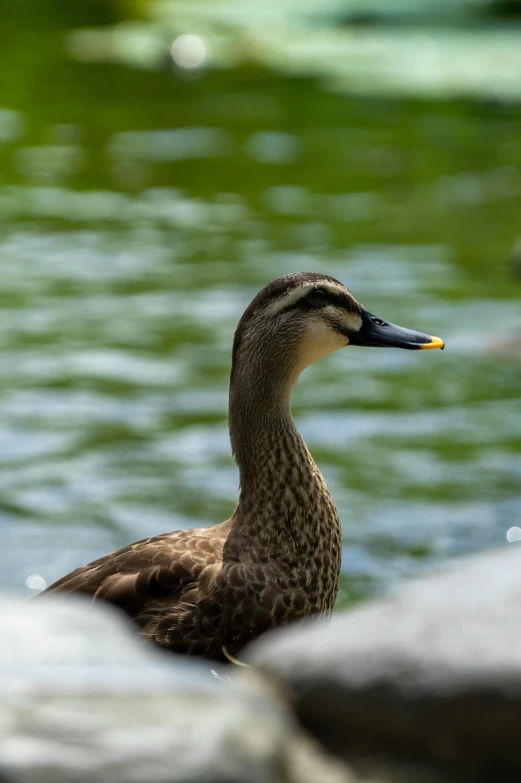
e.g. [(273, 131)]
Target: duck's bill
[(379, 333)]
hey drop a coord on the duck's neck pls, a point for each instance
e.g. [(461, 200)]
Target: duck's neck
[(284, 502)]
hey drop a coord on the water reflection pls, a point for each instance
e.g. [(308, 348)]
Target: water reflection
[(189, 51), (169, 145), (513, 534), (136, 229), (35, 582), (273, 147)]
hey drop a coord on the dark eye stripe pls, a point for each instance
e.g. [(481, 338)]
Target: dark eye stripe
[(318, 295), (309, 302), (334, 298)]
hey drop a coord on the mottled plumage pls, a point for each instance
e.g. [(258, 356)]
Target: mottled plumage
[(277, 559)]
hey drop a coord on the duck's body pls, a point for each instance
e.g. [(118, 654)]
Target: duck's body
[(277, 559)]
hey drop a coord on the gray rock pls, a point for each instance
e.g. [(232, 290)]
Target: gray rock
[(430, 675), (83, 700)]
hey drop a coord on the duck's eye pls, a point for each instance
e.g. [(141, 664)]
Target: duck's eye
[(318, 295), (378, 322)]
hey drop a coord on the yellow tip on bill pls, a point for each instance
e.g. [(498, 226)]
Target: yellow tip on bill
[(435, 342)]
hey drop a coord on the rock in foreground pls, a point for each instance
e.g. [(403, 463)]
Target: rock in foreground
[(429, 676), (83, 700)]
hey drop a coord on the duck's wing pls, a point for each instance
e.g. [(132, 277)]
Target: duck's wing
[(154, 571)]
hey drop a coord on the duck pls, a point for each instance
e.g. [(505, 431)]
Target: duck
[(208, 592)]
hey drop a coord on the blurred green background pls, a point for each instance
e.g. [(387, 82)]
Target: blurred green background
[(160, 162)]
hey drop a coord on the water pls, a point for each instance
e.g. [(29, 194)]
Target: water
[(142, 209)]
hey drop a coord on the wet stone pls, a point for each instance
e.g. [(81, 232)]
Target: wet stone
[(84, 700), (427, 678)]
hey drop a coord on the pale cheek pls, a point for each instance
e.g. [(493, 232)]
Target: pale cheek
[(319, 340)]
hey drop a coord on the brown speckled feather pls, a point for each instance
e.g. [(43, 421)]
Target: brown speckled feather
[(277, 559), (158, 581)]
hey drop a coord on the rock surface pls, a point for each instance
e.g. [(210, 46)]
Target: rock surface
[(83, 700), (430, 675)]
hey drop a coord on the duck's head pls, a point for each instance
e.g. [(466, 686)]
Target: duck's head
[(300, 317)]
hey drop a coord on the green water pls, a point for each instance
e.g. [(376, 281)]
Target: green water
[(140, 210)]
